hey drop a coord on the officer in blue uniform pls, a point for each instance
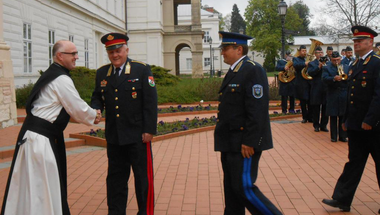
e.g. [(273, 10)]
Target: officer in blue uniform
[(362, 118), (126, 90), (349, 56), (336, 96), (329, 51), (302, 85), (286, 89), (243, 130), (318, 92)]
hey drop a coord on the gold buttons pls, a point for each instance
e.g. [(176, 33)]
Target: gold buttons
[(352, 102), (117, 115), (220, 94), (233, 90), (133, 88), (363, 78), (117, 107), (241, 128), (352, 94), (116, 90), (354, 80), (116, 98), (102, 90), (353, 87)]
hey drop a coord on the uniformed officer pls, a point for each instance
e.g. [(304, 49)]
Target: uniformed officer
[(302, 85), (318, 92), (126, 90), (343, 53), (243, 128), (329, 51), (349, 56), (336, 96), (286, 89), (362, 118)]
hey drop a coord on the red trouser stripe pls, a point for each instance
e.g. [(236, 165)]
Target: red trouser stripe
[(150, 200)]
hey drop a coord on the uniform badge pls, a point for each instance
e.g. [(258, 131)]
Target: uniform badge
[(103, 83), (366, 60), (257, 91), (151, 81), (103, 98), (127, 69), (134, 95), (356, 31), (110, 37), (364, 72), (364, 83)]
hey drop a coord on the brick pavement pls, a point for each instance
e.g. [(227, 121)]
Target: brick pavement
[(296, 175)]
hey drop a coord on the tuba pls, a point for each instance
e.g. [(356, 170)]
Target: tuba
[(310, 57), (288, 76), (341, 72)]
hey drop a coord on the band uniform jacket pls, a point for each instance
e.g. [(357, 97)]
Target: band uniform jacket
[(130, 102), (318, 88), (286, 89), (336, 91), (243, 116), (302, 85), (363, 103), (347, 61)]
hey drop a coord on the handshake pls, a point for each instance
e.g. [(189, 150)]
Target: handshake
[(98, 116)]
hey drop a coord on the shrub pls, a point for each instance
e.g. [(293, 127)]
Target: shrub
[(273, 91), (22, 95), (84, 81), (162, 76)]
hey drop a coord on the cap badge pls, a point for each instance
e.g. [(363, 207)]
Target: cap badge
[(110, 37), (356, 31)]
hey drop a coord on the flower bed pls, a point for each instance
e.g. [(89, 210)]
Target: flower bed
[(180, 108)]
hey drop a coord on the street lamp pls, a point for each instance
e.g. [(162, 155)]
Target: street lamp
[(210, 42), (282, 7)]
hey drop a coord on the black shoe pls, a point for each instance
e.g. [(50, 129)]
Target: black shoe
[(324, 129), (316, 129), (336, 204), (333, 140), (343, 139), (304, 121), (310, 120)]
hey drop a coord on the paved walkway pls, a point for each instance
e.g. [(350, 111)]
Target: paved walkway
[(296, 175)]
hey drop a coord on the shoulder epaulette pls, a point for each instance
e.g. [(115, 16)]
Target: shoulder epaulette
[(104, 65), (135, 61), (353, 64), (253, 63), (375, 55)]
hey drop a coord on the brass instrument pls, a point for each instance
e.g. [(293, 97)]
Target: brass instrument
[(310, 57), (341, 73), (288, 76)]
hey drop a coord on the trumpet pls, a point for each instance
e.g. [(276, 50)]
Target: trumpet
[(341, 73)]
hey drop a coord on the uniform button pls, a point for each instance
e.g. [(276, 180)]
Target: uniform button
[(354, 80), (117, 107), (133, 88), (363, 78), (233, 90), (116, 98), (219, 102), (241, 128), (102, 90), (220, 94), (116, 90), (353, 87), (352, 94), (352, 102), (117, 115), (217, 120), (218, 111)]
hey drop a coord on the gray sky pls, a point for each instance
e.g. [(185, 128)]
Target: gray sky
[(225, 6)]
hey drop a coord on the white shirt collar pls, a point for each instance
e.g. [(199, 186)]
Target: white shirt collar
[(364, 56), (233, 65), (121, 69)]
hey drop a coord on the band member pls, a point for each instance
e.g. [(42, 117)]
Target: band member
[(126, 90), (37, 182), (242, 131), (318, 92), (349, 56), (329, 52), (287, 89), (378, 48), (343, 53), (336, 95), (302, 85), (362, 118)]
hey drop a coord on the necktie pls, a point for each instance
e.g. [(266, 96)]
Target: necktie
[(117, 71), (361, 61)]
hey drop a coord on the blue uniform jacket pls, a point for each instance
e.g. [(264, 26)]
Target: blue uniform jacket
[(364, 94), (243, 116), (346, 61), (302, 85), (336, 91), (318, 88), (286, 89)]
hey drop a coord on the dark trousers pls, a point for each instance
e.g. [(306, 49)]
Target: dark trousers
[(360, 145), (120, 160), (319, 113), (306, 109), (284, 103), (240, 191), (334, 128)]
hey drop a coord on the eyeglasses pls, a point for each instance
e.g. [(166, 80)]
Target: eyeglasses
[(72, 53)]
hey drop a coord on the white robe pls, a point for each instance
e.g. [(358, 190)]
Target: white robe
[(35, 184)]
